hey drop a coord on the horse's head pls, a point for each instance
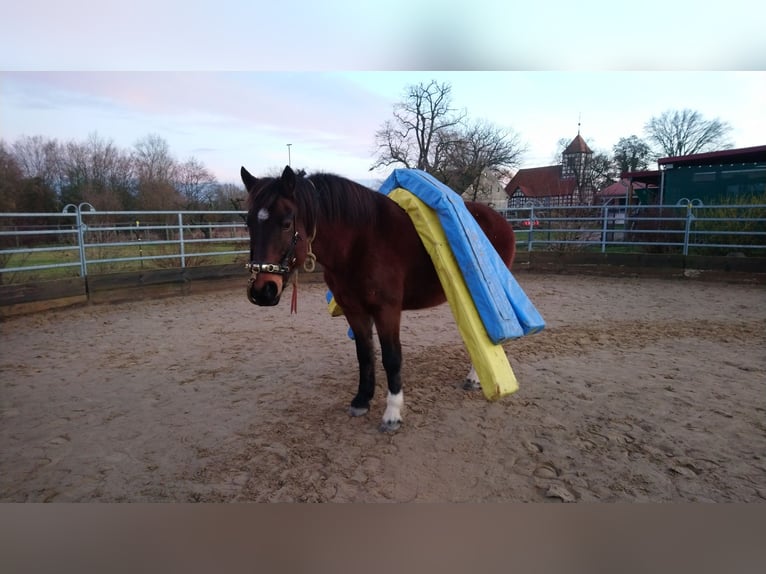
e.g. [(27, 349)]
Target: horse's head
[(279, 241)]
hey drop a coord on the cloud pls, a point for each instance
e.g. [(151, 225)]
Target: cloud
[(313, 111), (230, 118)]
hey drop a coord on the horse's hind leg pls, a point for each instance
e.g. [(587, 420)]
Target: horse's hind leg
[(471, 382), (365, 354)]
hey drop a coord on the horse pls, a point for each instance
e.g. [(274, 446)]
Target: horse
[(373, 261)]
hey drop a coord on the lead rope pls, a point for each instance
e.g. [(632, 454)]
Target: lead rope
[(294, 299), (311, 260), (308, 265)]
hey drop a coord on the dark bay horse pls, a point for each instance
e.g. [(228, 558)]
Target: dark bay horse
[(372, 257)]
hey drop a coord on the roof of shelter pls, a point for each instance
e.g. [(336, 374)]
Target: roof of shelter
[(743, 154), (619, 188)]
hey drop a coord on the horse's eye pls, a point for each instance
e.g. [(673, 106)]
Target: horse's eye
[(287, 224)]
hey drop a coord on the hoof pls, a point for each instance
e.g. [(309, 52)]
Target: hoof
[(358, 411), (471, 385), (390, 426)]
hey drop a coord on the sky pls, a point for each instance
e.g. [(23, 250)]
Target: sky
[(233, 83)]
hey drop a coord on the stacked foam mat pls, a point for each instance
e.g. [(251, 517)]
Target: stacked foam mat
[(488, 304)]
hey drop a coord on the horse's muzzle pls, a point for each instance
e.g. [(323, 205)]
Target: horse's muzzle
[(265, 296)]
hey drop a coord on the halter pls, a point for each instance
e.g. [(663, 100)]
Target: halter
[(285, 266)]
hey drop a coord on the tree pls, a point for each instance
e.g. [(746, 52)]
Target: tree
[(228, 196), (685, 132), (474, 151), (39, 158), (10, 184), (43, 174), (196, 184), (10, 179), (99, 173), (561, 145), (631, 154), (153, 160), (417, 134), (35, 195), (602, 171), (24, 186), (427, 133), (157, 171)]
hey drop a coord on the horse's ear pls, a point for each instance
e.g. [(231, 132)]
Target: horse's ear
[(288, 182), (247, 179)]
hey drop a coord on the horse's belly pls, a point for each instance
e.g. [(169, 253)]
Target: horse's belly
[(422, 288)]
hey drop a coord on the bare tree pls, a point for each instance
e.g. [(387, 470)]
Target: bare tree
[(196, 184), (10, 187), (98, 172), (631, 154), (10, 179), (476, 151), (153, 159), (561, 145), (229, 196), (420, 123), (686, 132), (602, 171), (39, 157), (157, 171), (197, 187)]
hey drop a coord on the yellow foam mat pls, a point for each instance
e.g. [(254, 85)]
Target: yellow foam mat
[(490, 361), (334, 308)]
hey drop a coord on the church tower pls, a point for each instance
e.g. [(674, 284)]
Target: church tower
[(575, 162)]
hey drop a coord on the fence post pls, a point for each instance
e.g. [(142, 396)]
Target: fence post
[(81, 228), (605, 218), (531, 226), (689, 218), (181, 238), (80, 250)]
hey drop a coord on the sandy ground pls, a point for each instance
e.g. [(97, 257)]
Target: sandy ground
[(638, 390)]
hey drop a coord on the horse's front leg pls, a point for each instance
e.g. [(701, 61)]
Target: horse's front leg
[(391, 349), (361, 325)]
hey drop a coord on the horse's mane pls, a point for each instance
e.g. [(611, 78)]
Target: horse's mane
[(322, 195), (338, 199)]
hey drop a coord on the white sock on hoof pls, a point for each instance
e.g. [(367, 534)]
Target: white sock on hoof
[(393, 407), (472, 380)]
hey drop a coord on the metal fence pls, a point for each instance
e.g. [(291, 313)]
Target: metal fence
[(687, 228), (82, 241)]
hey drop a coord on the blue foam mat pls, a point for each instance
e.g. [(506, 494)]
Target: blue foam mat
[(504, 308)]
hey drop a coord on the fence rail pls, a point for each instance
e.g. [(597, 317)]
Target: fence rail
[(82, 242), (688, 228)]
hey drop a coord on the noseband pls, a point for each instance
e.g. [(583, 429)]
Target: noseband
[(285, 266)]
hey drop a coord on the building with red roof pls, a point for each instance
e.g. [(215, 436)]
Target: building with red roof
[(554, 185)]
